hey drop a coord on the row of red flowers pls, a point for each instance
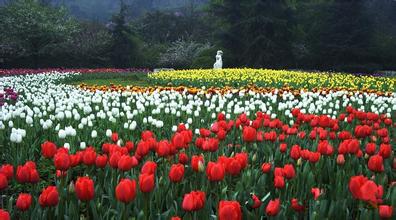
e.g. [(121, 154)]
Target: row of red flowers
[(369, 127)]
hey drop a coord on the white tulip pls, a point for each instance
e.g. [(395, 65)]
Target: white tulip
[(109, 133), (62, 134), (83, 145)]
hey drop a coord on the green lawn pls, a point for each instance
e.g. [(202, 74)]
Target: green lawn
[(124, 79)]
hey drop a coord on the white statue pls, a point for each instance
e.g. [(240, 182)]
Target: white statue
[(219, 60)]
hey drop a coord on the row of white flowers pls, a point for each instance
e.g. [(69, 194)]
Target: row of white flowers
[(46, 104)]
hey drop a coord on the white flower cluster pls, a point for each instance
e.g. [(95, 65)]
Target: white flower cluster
[(73, 114)]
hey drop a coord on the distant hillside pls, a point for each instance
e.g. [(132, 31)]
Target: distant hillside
[(101, 10)]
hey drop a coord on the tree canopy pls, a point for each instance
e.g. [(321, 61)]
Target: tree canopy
[(356, 36)]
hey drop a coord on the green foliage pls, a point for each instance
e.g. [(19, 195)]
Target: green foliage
[(205, 59), (181, 54), (309, 34), (151, 54), (33, 30), (90, 47), (354, 36), (126, 46)]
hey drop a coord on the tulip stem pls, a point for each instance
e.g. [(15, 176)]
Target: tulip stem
[(125, 212), (146, 205)]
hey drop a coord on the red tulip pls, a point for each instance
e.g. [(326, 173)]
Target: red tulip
[(242, 158), (256, 202), (376, 163), (278, 171), (27, 174), (48, 149), (84, 188), (147, 135), (193, 201), (61, 174), (344, 135), (314, 157), (149, 167), (126, 190), (211, 144), (176, 218), (288, 171), (114, 137), (163, 148), (295, 152), (279, 182), (76, 159), (24, 201), (3, 181), (4, 215), (266, 167), (364, 189), (197, 163), (176, 173), (178, 140), (89, 156), (385, 150), (62, 150), (146, 182), (233, 166), (340, 159), (315, 192), (143, 148), (283, 147), (49, 197), (183, 158), (385, 211), (62, 161), (249, 134), (296, 206), (221, 134), (273, 207), (204, 132), (230, 210), (7, 170), (101, 161), (125, 163), (130, 146), (215, 171), (114, 159), (362, 131)]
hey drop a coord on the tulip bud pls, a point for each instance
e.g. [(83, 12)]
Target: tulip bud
[(201, 167), (366, 156), (71, 187), (340, 159), (299, 162), (254, 158), (314, 215)]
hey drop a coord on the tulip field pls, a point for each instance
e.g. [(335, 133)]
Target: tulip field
[(198, 144)]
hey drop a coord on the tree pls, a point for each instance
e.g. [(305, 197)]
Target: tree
[(33, 30), (229, 15), (342, 40), (255, 32), (125, 44), (268, 41)]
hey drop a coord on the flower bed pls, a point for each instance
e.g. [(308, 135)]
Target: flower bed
[(272, 79), (8, 96), (7, 72), (185, 153)]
